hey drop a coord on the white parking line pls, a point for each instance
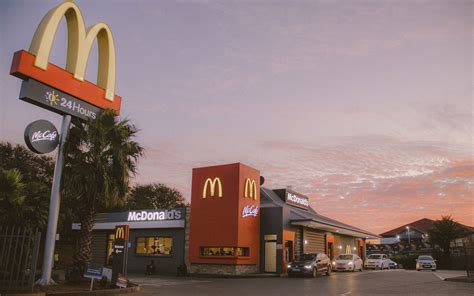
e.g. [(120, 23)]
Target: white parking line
[(347, 293), (440, 277)]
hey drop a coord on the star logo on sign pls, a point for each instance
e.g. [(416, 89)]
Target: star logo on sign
[(52, 98)]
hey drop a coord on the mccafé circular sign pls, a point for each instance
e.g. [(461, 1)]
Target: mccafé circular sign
[(41, 136)]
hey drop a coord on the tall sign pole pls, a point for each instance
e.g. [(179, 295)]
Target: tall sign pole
[(65, 91), (120, 259), (54, 208)]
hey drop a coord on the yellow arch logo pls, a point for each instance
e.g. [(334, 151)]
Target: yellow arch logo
[(80, 42), (250, 189), (212, 183), (120, 233), (348, 249)]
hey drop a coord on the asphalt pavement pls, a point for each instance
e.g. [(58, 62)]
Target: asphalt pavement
[(386, 282)]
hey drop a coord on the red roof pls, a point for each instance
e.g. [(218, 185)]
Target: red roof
[(422, 225)]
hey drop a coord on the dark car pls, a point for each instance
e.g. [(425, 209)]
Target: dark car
[(310, 264)]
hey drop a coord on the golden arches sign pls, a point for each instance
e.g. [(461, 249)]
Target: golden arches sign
[(250, 189), (80, 42), (212, 183), (120, 233)]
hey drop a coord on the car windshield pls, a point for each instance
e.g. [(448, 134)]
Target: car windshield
[(344, 257), (374, 257), (306, 257), (427, 258)]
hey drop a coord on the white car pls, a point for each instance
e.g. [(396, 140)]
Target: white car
[(425, 262), (377, 261), (350, 262)]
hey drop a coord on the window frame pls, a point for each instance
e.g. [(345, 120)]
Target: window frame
[(234, 253), (153, 254)]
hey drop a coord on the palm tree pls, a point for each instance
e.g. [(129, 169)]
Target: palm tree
[(443, 232), (100, 158), (11, 195)]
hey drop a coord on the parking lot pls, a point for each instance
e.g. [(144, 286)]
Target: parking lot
[(387, 282)]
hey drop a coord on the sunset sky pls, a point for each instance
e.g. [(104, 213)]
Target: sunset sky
[(365, 106)]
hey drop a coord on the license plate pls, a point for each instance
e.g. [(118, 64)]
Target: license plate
[(296, 269), (427, 266)]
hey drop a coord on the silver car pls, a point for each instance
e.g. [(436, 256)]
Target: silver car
[(347, 262), (377, 261), (425, 263)]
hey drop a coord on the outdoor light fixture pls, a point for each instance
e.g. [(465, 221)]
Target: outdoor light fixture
[(340, 247), (305, 242)]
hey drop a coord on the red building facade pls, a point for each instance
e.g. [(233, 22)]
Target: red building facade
[(225, 219)]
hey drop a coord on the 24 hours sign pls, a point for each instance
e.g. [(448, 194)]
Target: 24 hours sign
[(54, 100)]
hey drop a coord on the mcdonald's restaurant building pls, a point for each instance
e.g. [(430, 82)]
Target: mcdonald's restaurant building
[(234, 226), (237, 226), (157, 234)]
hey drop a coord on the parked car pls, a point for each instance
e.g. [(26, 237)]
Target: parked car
[(392, 264), (425, 262), (376, 261), (310, 264), (350, 262)]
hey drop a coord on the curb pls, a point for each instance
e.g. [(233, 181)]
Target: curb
[(98, 292), (230, 276), (25, 294), (460, 279)]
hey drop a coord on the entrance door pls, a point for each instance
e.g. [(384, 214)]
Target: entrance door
[(270, 256), (288, 251), (330, 255)]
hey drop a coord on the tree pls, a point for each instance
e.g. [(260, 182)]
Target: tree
[(443, 232), (26, 186), (11, 195), (100, 158), (33, 168), (154, 196)]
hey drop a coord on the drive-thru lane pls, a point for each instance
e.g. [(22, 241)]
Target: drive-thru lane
[(392, 282)]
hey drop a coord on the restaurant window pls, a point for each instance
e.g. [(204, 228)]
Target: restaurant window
[(224, 251), (154, 246)]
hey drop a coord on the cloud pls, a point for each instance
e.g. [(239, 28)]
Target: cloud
[(366, 179)]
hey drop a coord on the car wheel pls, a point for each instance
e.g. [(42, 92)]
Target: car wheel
[(417, 270), (328, 271), (433, 270), (353, 269), (315, 272)]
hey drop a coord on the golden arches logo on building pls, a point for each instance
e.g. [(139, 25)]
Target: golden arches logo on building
[(250, 189), (80, 41), (121, 232), (348, 249), (212, 183)]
